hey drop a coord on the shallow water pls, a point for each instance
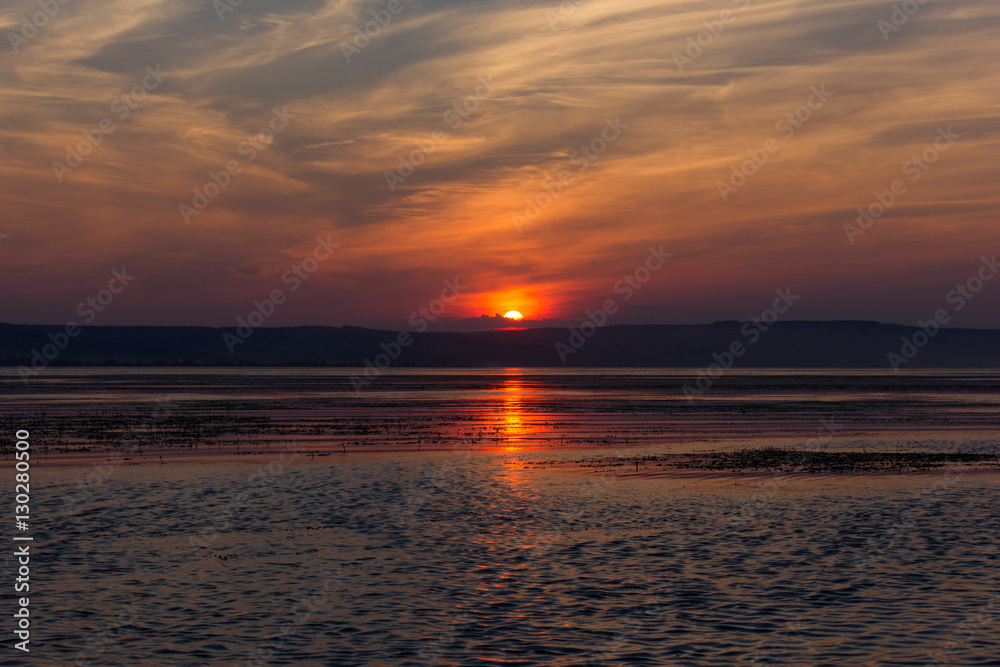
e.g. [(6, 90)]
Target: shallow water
[(474, 558), (478, 554), (222, 409)]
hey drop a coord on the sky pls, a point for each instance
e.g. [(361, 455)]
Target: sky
[(478, 157)]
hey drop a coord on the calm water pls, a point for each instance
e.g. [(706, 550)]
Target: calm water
[(516, 408), (476, 556), (455, 559)]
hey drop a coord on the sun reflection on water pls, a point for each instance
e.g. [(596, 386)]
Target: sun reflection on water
[(513, 403)]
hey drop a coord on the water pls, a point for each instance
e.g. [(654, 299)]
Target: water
[(221, 409), (462, 559), (480, 555)]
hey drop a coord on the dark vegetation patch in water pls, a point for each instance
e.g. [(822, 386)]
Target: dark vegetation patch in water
[(776, 459)]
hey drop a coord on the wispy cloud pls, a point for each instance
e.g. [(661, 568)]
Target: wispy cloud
[(556, 83)]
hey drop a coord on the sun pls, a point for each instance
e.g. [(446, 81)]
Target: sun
[(512, 315)]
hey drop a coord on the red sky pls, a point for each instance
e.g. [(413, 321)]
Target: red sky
[(555, 77)]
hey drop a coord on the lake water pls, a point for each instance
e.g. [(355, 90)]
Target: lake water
[(476, 554), (218, 409)]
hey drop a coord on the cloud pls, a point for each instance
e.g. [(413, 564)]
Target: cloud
[(559, 73)]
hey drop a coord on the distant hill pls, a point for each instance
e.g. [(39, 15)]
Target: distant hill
[(784, 345)]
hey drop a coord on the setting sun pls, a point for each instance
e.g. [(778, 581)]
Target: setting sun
[(512, 315)]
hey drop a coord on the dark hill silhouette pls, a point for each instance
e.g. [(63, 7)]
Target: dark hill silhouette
[(845, 344)]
